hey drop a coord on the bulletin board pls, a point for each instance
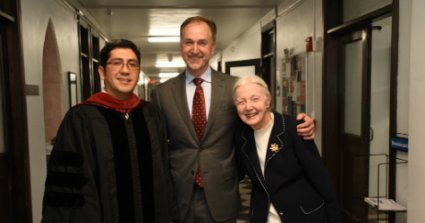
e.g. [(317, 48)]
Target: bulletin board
[(294, 79)]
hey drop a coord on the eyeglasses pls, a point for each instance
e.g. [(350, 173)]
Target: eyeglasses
[(132, 65)]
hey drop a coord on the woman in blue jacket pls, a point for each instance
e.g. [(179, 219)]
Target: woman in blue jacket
[(289, 180)]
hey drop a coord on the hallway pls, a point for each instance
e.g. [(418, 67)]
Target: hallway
[(49, 57)]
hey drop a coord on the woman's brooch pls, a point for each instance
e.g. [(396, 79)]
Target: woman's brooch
[(274, 148)]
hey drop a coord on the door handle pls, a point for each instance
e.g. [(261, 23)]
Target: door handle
[(371, 134)]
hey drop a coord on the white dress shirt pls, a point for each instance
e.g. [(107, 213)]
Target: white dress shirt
[(206, 87)]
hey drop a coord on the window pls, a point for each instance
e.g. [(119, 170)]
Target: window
[(89, 60)]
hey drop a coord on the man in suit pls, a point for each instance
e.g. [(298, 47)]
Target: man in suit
[(200, 138)]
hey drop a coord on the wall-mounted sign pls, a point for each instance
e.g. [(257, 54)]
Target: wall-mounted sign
[(399, 143)]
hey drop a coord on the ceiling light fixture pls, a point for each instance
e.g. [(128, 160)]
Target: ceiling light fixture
[(168, 75), (167, 64), (164, 39)]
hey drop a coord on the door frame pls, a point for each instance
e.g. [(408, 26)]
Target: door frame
[(15, 114)]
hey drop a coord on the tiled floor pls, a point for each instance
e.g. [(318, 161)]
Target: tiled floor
[(245, 190)]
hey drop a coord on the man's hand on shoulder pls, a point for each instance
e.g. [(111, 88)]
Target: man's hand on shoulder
[(307, 128)]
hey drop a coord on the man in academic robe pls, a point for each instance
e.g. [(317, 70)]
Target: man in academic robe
[(109, 163)]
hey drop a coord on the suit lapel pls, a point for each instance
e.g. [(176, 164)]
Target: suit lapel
[(217, 94), (250, 150), (179, 93), (276, 142)]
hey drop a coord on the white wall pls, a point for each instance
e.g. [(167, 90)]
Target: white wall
[(245, 47), (380, 104), (35, 18), (403, 67), (403, 115), (296, 21), (356, 8), (416, 178)]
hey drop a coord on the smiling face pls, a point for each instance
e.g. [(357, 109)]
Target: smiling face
[(121, 73), (252, 104), (197, 46)]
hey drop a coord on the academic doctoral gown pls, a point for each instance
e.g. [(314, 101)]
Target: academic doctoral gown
[(108, 167)]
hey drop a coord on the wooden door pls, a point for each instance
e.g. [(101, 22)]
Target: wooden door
[(354, 107), (5, 180)]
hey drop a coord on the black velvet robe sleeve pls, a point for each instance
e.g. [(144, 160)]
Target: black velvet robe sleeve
[(70, 193)]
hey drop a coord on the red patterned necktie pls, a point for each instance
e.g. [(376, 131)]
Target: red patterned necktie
[(199, 119), (199, 116)]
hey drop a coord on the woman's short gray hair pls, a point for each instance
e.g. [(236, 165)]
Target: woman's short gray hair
[(254, 79)]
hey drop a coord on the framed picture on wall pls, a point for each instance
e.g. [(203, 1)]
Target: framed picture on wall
[(243, 67), (73, 93)]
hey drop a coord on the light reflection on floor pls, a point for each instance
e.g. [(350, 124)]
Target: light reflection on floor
[(245, 190)]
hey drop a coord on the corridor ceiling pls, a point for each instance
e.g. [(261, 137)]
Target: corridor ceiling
[(137, 20)]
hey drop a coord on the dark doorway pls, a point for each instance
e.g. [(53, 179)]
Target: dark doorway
[(15, 199), (5, 198), (268, 58)]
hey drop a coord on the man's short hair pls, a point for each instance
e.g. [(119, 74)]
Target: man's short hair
[(209, 22), (105, 53)]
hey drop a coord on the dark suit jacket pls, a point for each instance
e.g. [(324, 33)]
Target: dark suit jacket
[(295, 180), (214, 152)]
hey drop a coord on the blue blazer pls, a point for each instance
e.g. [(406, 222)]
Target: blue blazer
[(295, 180)]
